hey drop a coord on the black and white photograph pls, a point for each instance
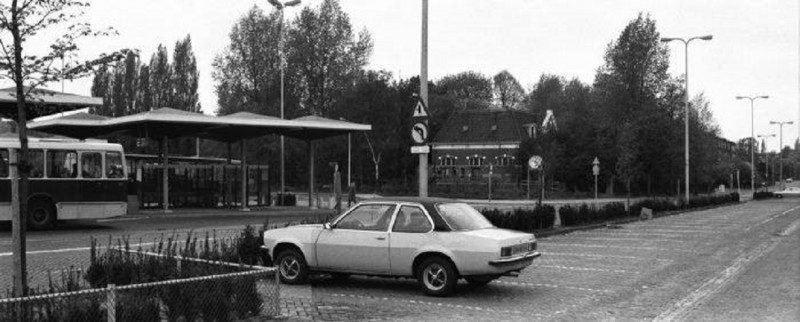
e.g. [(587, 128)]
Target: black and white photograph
[(399, 160)]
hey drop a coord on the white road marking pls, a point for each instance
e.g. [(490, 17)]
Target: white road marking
[(614, 246), (553, 286), (605, 256), (573, 268), (626, 233), (440, 304), (717, 282), (627, 239)]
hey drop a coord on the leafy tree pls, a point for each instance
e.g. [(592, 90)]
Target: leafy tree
[(59, 23), (185, 77), (325, 56), (470, 90), (246, 73), (507, 91), (160, 78)]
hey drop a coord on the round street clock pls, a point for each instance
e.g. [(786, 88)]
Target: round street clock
[(419, 133)]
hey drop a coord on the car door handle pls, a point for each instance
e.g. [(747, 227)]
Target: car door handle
[(380, 238)]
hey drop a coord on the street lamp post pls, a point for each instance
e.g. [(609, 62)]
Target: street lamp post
[(686, 101), (280, 6), (752, 141), (764, 137), (780, 147)]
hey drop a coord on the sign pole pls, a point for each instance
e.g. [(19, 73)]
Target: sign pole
[(423, 91), (529, 182), (490, 182)]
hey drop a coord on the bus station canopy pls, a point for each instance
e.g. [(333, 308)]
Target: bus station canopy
[(44, 102), (164, 123), (169, 122)]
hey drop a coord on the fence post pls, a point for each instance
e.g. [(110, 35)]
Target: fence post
[(111, 303)]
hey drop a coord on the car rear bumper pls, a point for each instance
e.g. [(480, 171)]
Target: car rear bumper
[(516, 260)]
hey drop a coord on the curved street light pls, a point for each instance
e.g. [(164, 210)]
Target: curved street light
[(780, 147), (686, 100), (764, 138), (752, 140), (280, 6)]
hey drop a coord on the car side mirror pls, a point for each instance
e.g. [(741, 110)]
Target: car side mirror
[(327, 226)]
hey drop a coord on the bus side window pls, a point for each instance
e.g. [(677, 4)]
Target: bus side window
[(114, 165), (62, 164), (91, 165), (36, 158), (3, 163)]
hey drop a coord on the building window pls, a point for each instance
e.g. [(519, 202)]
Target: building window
[(503, 160), (447, 160), (476, 160)]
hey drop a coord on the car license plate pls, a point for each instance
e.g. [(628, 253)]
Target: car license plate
[(519, 249)]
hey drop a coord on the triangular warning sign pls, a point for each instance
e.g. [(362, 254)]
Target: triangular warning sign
[(420, 110)]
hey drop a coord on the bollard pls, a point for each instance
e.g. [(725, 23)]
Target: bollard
[(111, 303)]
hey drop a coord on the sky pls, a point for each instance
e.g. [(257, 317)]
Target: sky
[(755, 49)]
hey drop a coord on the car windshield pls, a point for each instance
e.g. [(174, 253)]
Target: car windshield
[(461, 216)]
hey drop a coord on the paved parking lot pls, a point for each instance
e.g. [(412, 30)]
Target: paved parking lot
[(659, 269), (681, 267)]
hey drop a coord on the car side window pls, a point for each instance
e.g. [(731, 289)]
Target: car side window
[(411, 219), (371, 217)]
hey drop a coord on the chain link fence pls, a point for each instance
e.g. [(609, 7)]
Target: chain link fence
[(222, 297)]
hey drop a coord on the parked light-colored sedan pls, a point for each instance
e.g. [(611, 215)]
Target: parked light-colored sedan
[(436, 241), (788, 192)]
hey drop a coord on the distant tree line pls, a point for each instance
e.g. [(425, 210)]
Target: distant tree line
[(631, 117)]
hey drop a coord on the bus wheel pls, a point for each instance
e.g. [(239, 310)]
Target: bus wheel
[(41, 215)]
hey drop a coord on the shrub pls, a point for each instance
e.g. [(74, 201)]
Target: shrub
[(285, 199), (763, 195), (541, 217)]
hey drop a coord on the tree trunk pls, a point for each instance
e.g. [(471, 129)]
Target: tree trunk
[(20, 266)]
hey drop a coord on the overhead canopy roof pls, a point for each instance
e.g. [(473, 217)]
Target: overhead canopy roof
[(175, 123), (46, 102)]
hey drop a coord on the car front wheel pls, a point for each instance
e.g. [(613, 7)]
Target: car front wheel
[(292, 267), (437, 276)]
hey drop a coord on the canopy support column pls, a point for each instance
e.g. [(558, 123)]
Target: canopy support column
[(244, 179), (165, 173), (311, 175)]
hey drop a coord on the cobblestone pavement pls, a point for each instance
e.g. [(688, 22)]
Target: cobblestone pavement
[(656, 269)]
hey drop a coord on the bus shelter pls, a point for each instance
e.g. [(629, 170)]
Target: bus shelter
[(165, 123), (44, 102)]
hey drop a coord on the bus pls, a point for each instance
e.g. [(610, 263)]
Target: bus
[(69, 180)]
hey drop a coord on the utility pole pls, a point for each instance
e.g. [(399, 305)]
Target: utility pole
[(423, 93)]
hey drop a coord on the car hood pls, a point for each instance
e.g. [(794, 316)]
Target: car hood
[(500, 234)]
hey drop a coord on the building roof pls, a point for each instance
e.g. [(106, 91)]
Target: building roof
[(486, 127), (48, 102)]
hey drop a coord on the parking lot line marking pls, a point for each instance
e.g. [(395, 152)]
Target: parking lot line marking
[(614, 246), (627, 239), (572, 268), (525, 284), (605, 256), (441, 304)]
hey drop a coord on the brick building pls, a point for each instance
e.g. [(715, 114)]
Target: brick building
[(472, 141)]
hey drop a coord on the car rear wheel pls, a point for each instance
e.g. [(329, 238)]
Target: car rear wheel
[(480, 280), (437, 276), (41, 215), (292, 267)]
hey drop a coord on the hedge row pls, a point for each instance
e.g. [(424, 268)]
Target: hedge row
[(583, 214), (544, 216), (541, 217), (763, 195)]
